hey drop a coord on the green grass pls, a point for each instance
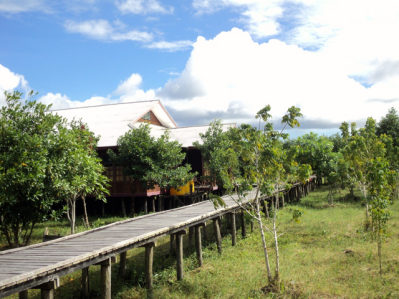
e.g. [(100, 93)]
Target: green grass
[(313, 261)]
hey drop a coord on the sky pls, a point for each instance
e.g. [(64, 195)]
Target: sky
[(337, 60)]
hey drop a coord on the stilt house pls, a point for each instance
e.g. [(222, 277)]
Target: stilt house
[(114, 120)]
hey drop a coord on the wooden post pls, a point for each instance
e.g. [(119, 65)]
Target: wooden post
[(102, 208), (220, 224), (47, 289), (123, 207), (190, 236), (243, 228), (85, 282), (233, 228), (205, 233), (122, 265), (172, 244), (198, 245), (217, 233), (145, 206), (47, 294), (179, 251), (153, 204), (159, 199), (106, 279), (149, 259), (23, 294)]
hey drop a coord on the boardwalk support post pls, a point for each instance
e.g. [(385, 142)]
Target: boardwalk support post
[(85, 282), (106, 279), (149, 259), (122, 264), (190, 236), (172, 244), (243, 228), (198, 244), (218, 236), (23, 294), (179, 251), (47, 289), (233, 228)]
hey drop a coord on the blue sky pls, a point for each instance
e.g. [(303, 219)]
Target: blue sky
[(336, 60)]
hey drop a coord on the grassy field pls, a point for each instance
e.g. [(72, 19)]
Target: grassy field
[(327, 255)]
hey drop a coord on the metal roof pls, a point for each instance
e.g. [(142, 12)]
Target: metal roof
[(114, 120)]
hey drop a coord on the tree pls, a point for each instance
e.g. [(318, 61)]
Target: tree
[(267, 167), (211, 140), (82, 171), (151, 161), (363, 146), (389, 125), (314, 150), (31, 151)]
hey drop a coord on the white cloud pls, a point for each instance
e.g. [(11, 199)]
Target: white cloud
[(19, 6), (127, 91), (171, 46), (259, 16), (143, 7), (103, 30), (10, 81), (357, 35), (233, 73)]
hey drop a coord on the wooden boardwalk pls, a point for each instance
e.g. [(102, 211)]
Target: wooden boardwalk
[(39, 265)]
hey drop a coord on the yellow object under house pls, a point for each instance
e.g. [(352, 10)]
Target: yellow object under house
[(183, 189)]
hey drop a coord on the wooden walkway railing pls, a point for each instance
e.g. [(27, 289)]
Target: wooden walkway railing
[(41, 265)]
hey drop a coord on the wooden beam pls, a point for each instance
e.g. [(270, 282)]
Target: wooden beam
[(198, 245), (106, 279), (218, 236), (47, 289), (233, 229), (85, 282), (190, 236), (112, 258)]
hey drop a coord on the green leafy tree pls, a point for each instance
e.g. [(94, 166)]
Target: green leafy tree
[(151, 161), (31, 153), (314, 150), (363, 146), (83, 172), (212, 139), (389, 125), (267, 167), (379, 190)]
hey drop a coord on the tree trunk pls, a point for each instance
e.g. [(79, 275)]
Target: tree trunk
[(16, 235), (85, 211), (27, 240), (73, 215), (269, 274), (277, 272)]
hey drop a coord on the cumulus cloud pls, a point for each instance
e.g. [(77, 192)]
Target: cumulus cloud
[(259, 16), (10, 81), (103, 30), (127, 91), (356, 35), (143, 7), (171, 46), (234, 69)]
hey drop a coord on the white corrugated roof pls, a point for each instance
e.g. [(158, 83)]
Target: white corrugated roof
[(188, 135), (111, 121), (114, 120)]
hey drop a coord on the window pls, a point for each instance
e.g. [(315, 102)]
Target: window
[(119, 174), (147, 116), (109, 171)]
